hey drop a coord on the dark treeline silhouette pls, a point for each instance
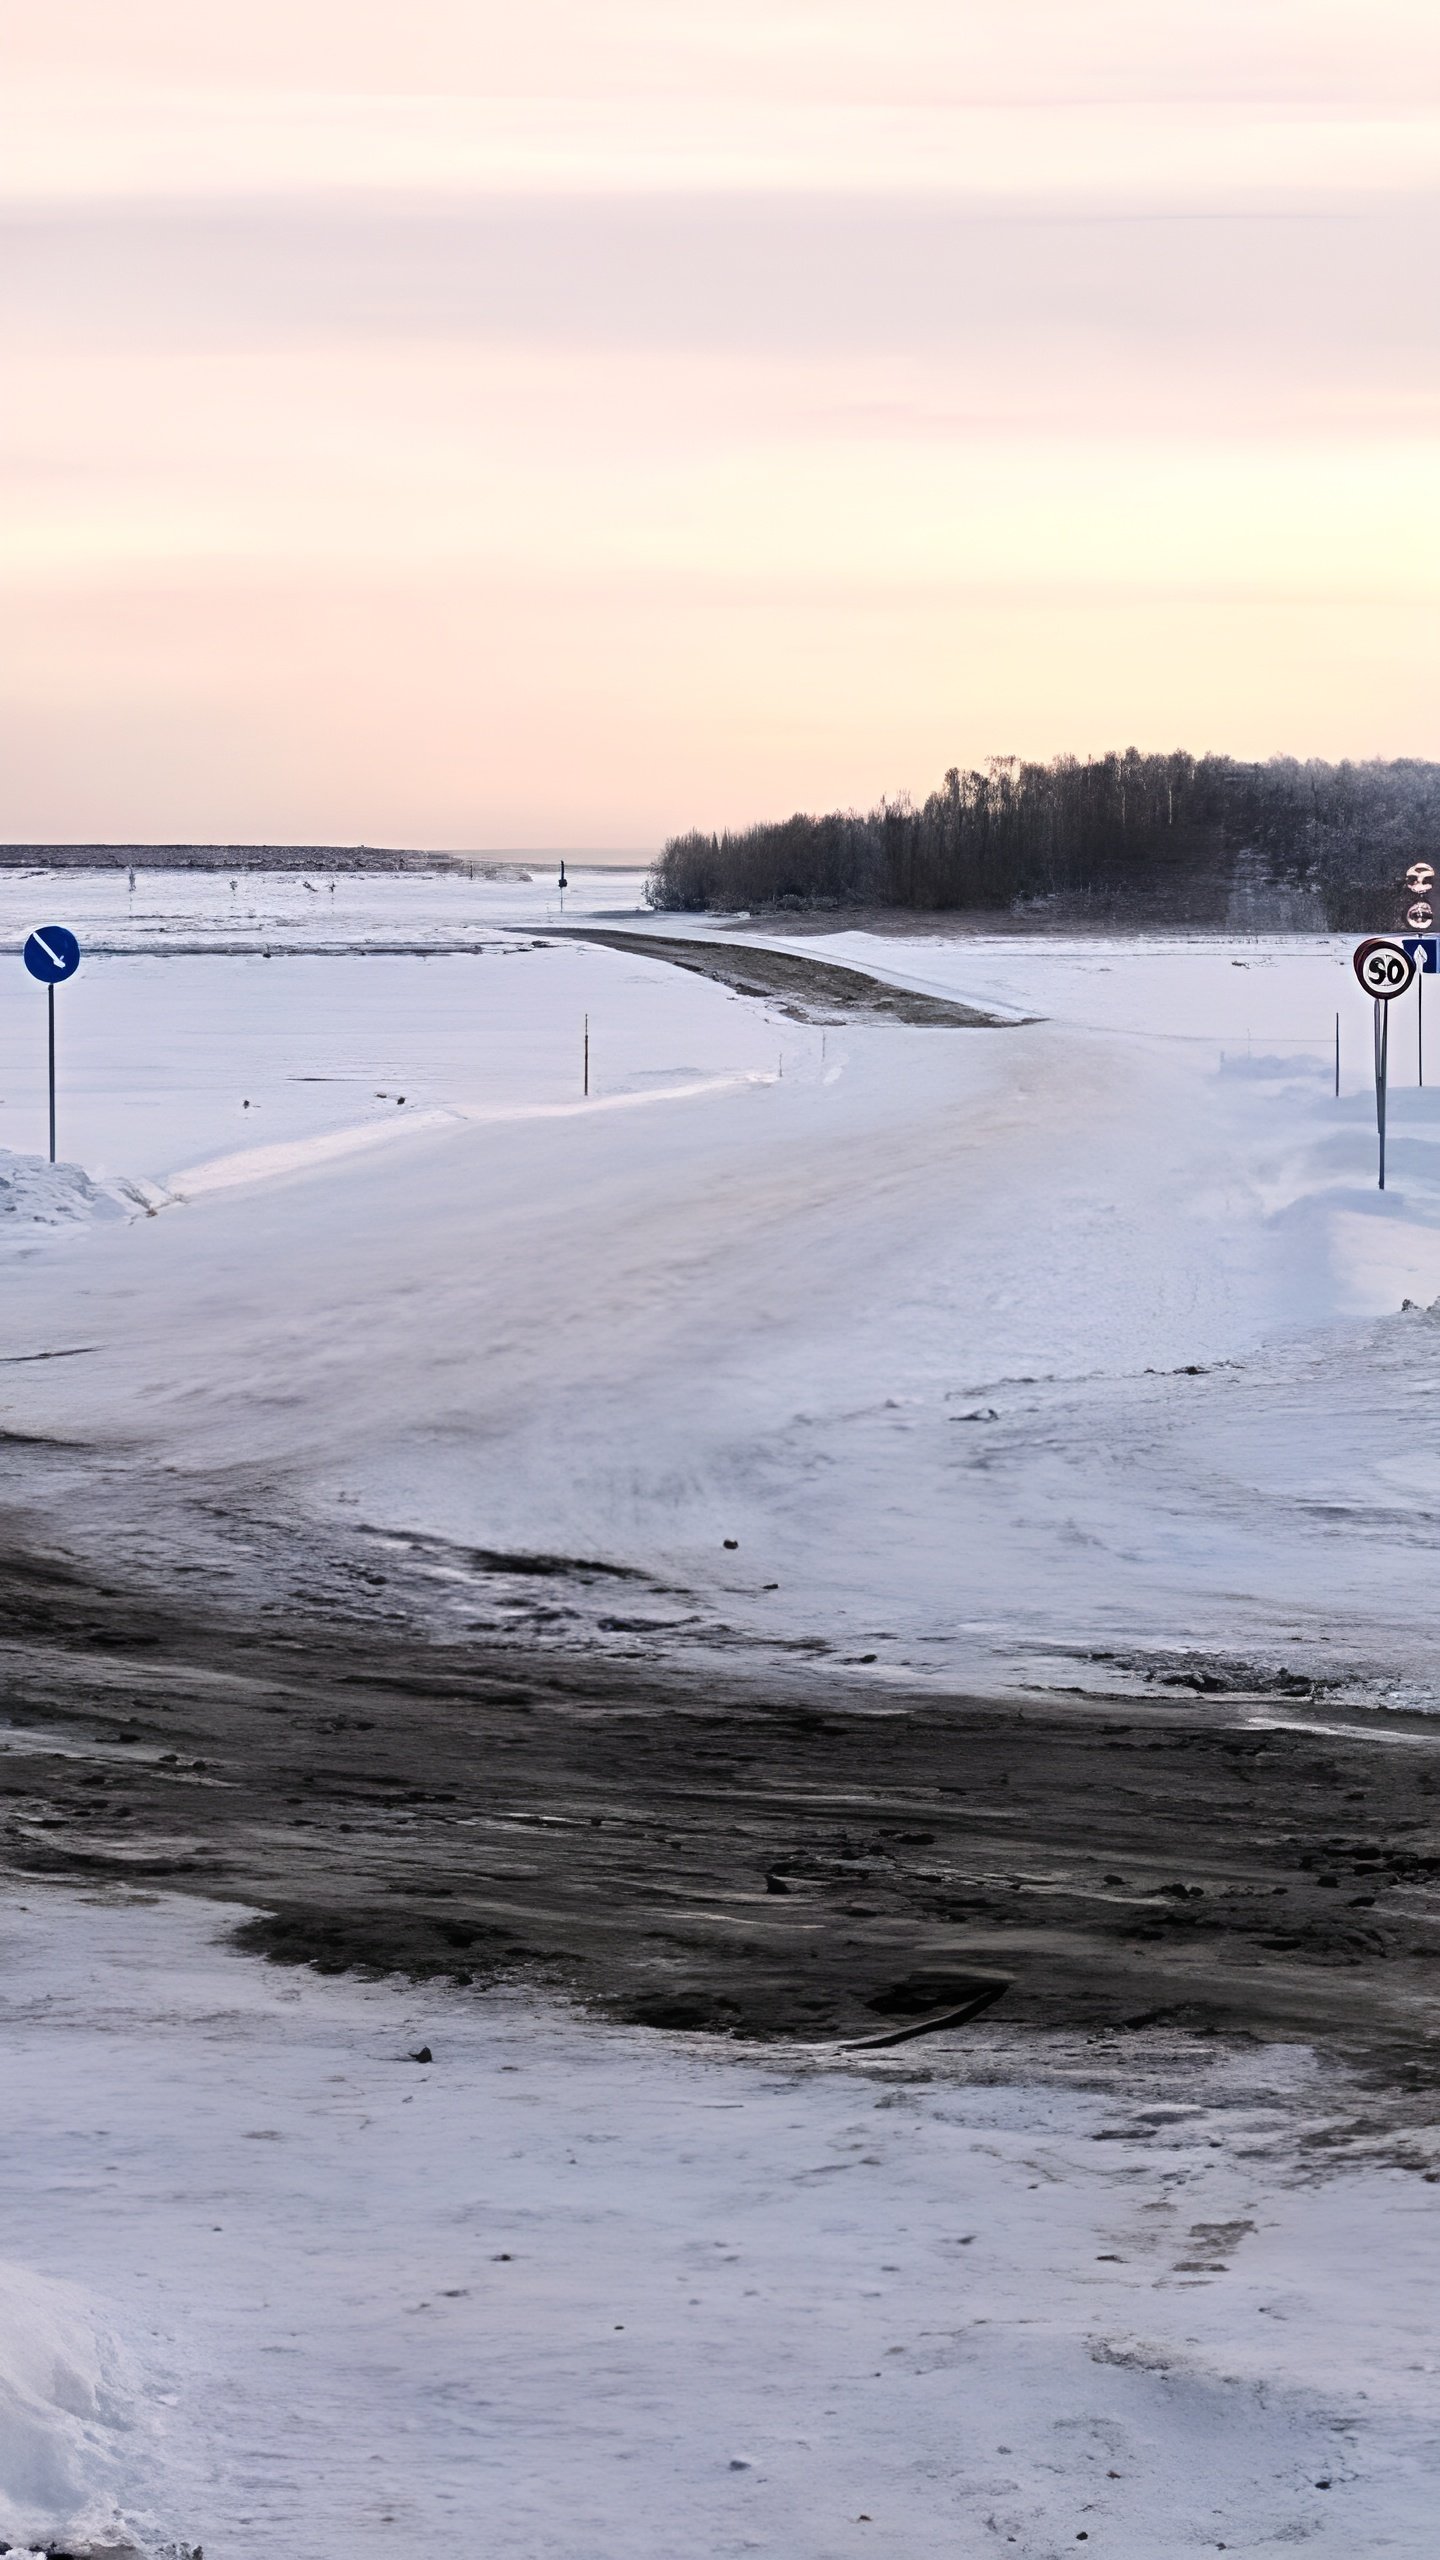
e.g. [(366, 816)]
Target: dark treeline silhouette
[(1193, 838)]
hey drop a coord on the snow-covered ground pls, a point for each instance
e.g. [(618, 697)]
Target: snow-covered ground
[(1084, 1334), (571, 2293), (169, 1055), (987, 1347)]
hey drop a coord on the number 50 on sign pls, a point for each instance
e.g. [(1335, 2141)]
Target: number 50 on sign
[(1384, 969)]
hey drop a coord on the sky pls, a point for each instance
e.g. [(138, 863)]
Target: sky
[(469, 426)]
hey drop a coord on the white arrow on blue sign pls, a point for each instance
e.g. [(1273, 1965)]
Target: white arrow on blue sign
[(1423, 949), (52, 954)]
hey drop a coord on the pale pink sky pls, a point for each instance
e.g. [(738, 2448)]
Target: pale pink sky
[(464, 424)]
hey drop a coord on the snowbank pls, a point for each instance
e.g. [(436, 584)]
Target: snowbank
[(65, 2413), (35, 1193)]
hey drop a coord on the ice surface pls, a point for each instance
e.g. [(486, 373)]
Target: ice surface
[(175, 911), (573, 2291), (165, 1062)]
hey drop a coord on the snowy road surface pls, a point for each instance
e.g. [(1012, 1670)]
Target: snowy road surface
[(983, 1344), (572, 2294)]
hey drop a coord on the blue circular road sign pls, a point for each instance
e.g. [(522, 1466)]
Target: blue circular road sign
[(52, 954)]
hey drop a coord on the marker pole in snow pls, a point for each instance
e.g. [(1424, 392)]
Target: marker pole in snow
[(1420, 1028), (586, 1085), (50, 1004), (1337, 1057)]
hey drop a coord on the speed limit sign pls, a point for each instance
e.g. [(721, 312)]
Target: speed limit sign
[(1383, 968)]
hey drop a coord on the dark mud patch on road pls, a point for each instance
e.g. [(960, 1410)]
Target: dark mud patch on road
[(806, 990), (417, 1942), (690, 1848)]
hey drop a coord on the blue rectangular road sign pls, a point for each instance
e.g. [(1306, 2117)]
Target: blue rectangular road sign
[(1423, 949)]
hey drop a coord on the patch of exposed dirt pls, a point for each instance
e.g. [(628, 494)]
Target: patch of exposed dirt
[(688, 1848)]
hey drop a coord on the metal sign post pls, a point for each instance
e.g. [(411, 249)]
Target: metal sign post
[(1420, 880), (52, 955), (1424, 950), (1382, 1062), (1385, 970)]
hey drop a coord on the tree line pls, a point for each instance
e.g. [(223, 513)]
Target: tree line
[(1174, 833)]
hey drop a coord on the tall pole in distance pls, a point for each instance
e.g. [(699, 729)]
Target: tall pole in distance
[(587, 1055), (1337, 1057), (50, 993), (1420, 1025)]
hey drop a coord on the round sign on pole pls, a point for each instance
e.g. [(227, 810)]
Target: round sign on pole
[(1383, 968), (1420, 877), (52, 954)]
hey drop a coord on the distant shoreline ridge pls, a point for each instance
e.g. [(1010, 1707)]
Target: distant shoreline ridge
[(502, 862)]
